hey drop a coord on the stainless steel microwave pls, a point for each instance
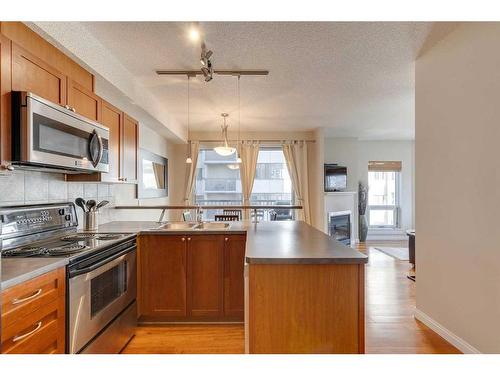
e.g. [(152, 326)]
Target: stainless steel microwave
[(48, 136)]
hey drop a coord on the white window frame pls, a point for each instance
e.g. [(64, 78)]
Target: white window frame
[(396, 208)]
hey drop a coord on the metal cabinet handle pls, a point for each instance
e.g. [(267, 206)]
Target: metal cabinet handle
[(189, 238), (20, 337), (183, 239), (17, 301), (226, 239)]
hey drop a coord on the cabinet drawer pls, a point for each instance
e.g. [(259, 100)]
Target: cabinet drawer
[(23, 299), (41, 332)]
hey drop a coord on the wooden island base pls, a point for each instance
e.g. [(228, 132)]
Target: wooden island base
[(305, 308)]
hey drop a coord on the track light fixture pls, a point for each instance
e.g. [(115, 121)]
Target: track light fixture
[(206, 65)]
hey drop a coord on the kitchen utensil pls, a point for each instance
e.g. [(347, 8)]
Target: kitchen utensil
[(101, 204), (81, 203), (91, 204)]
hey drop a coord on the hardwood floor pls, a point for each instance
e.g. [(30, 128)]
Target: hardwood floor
[(390, 301), (188, 339), (390, 325)]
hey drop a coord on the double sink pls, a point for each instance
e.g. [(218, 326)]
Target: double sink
[(173, 226)]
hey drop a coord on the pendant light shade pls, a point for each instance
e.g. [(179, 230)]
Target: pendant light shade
[(225, 149)]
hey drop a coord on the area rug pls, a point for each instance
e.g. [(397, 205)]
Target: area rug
[(400, 253)]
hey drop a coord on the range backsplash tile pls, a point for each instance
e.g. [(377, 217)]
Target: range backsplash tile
[(12, 188)]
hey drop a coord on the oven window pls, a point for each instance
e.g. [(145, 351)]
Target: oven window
[(107, 287), (56, 138)]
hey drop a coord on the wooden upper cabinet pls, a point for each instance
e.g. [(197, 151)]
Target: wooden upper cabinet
[(162, 277), (112, 118), (130, 135), (205, 273), (84, 101), (234, 286), (5, 88), (29, 73)]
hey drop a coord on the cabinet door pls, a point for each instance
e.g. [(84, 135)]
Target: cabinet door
[(112, 117), (5, 88), (162, 265), (130, 131), (29, 73), (234, 286), (85, 102), (205, 273)]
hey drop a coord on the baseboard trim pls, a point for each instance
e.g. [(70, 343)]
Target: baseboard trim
[(446, 334)]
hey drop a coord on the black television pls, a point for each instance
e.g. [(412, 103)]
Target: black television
[(335, 178)]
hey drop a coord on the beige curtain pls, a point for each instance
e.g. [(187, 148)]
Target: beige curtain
[(296, 161), (191, 173), (248, 152)]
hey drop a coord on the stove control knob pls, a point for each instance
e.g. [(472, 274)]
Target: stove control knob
[(61, 211), (67, 217)]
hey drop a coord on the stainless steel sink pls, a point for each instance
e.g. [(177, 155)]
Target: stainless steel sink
[(176, 226), (213, 226)]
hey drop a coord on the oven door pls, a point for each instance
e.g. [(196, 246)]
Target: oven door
[(56, 136), (99, 296)]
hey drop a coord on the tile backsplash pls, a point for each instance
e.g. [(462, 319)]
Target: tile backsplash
[(28, 187)]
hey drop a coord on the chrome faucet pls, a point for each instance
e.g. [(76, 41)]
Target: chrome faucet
[(199, 214)]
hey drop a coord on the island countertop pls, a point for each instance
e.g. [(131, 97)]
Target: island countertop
[(276, 242)]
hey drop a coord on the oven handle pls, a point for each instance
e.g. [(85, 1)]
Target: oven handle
[(77, 272)]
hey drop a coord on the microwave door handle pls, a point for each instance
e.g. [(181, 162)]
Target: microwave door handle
[(101, 149), (97, 159)]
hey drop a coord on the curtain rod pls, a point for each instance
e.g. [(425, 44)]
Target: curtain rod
[(257, 140)]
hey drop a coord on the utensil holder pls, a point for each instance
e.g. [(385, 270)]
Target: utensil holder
[(91, 221)]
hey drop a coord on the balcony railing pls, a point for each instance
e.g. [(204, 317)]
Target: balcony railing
[(262, 214)]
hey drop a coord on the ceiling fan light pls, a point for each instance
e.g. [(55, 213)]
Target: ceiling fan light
[(205, 71)]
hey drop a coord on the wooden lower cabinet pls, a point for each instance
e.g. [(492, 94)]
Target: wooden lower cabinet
[(33, 315), (192, 277), (205, 273), (234, 286), (162, 277)]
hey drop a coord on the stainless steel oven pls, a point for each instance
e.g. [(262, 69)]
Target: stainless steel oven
[(102, 308), (49, 136)]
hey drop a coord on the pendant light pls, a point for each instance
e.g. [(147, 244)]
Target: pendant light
[(238, 159), (189, 160), (225, 149)]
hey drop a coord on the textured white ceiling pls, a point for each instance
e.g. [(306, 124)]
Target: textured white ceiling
[(353, 79)]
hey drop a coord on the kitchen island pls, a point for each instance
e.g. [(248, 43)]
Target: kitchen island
[(304, 291)]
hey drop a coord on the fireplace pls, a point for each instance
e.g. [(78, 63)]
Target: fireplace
[(339, 226)]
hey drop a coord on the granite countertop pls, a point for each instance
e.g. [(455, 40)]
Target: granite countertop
[(276, 242), (18, 270)]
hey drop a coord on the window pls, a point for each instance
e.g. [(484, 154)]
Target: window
[(218, 183), (383, 194), (272, 184)]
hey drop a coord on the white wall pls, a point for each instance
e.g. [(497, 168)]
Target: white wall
[(458, 185), (355, 155)]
